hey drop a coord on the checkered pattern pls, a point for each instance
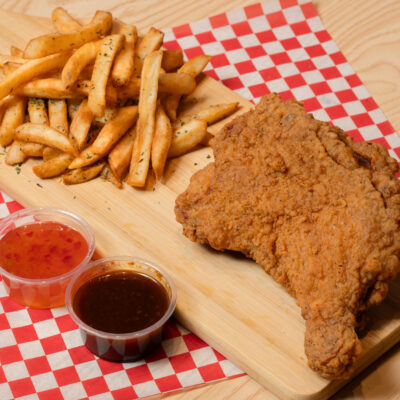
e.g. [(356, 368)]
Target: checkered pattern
[(276, 46), (42, 356), (282, 46)]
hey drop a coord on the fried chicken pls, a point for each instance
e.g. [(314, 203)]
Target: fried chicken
[(317, 211)]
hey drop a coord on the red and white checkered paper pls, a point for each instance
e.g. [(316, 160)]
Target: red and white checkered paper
[(275, 46)]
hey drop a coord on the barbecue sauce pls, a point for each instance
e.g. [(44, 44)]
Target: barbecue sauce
[(121, 302)]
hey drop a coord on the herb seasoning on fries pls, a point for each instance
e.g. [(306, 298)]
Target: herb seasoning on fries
[(85, 101)]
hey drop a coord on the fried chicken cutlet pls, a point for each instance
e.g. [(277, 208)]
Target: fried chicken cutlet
[(317, 211)]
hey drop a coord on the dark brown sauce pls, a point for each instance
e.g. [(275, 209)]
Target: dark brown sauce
[(121, 302)]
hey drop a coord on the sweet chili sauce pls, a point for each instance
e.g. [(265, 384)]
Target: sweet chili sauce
[(121, 302), (42, 250)]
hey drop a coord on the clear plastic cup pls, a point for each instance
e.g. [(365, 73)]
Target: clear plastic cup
[(121, 347), (49, 292)]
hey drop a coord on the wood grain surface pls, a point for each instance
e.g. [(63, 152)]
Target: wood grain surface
[(368, 33)]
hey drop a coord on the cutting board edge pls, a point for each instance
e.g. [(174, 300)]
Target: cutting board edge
[(307, 395)]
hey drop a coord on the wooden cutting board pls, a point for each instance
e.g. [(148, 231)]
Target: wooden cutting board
[(227, 301)]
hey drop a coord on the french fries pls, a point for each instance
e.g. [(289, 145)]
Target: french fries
[(48, 88), (50, 152), (12, 118), (211, 114), (151, 41), (32, 149), (63, 22), (59, 42), (172, 59), (37, 111), (124, 61), (161, 142), (107, 137), (30, 70), (37, 115), (80, 124), (99, 104), (58, 115), (81, 175), (55, 166), (102, 67), (15, 155), (192, 67), (187, 137), (145, 125), (176, 83), (120, 156), (108, 175), (42, 134), (78, 61)]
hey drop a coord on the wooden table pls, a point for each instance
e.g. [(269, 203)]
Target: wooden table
[(368, 33)]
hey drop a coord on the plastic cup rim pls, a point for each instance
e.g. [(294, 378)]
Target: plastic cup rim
[(129, 335), (88, 236)]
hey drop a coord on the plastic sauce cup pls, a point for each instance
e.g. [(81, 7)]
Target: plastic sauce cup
[(47, 292), (121, 347)]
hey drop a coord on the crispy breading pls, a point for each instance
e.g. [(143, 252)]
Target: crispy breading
[(317, 211)]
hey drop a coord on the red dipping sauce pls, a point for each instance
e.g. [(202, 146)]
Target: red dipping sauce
[(42, 250)]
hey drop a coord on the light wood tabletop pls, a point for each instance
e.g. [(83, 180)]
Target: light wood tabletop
[(368, 33)]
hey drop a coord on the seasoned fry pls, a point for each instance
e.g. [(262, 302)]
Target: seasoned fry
[(101, 71), (120, 156), (80, 125), (30, 70), (73, 106), (48, 88), (78, 61), (172, 59), (50, 152), (192, 67), (37, 115), (179, 83), (57, 42), (107, 137), (16, 52), (171, 104), (37, 111), (167, 83), (58, 115), (161, 142), (15, 155), (108, 175), (81, 175), (195, 65), (211, 114), (151, 41), (32, 149), (12, 118), (145, 125), (187, 137), (109, 113), (217, 112), (36, 133), (53, 167), (124, 62), (101, 82), (63, 22), (53, 88)]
